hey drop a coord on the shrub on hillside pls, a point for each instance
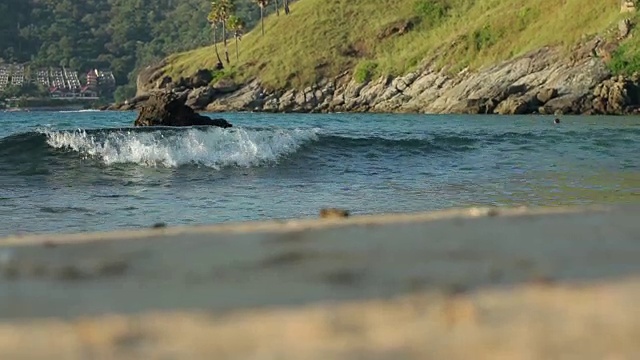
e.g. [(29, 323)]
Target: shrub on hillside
[(624, 60), (365, 71), (483, 37), (432, 11)]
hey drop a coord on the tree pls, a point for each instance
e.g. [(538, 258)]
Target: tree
[(237, 26), (262, 4), (286, 7), (277, 8), (213, 20), (223, 10)]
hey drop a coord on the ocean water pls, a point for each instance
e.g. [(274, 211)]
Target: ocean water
[(90, 171)]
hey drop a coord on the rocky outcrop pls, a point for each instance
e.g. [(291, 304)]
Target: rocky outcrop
[(528, 84), (627, 6), (167, 108), (201, 78), (545, 81), (154, 78), (247, 98), (199, 98), (618, 95), (132, 104), (151, 78), (400, 27), (624, 28)]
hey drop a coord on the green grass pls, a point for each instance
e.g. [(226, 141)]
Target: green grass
[(365, 71), (324, 38), (626, 58)]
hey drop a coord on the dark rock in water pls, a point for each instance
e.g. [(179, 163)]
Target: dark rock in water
[(169, 109)]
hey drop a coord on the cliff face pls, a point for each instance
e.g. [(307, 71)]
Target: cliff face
[(545, 81), (537, 82)]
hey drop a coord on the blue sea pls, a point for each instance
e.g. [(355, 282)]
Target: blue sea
[(65, 172)]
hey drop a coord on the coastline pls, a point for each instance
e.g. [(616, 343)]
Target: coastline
[(546, 81), (516, 282)]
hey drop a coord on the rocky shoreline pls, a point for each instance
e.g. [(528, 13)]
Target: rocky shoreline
[(546, 81)]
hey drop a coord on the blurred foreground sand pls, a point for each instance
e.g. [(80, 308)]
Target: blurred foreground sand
[(462, 284)]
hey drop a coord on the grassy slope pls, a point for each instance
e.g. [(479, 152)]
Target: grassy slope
[(310, 43)]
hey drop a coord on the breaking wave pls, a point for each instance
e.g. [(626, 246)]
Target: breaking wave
[(212, 147)]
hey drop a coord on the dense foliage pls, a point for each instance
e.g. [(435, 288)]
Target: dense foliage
[(27, 90), (120, 35)]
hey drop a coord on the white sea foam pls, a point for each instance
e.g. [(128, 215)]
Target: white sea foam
[(79, 111), (213, 147)]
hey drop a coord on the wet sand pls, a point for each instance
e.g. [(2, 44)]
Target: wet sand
[(458, 284)]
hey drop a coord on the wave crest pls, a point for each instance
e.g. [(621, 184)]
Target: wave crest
[(211, 147)]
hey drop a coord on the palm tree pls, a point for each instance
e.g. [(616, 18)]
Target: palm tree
[(213, 20), (263, 4), (222, 10), (237, 25)]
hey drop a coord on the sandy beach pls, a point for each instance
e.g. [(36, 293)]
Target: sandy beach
[(552, 283)]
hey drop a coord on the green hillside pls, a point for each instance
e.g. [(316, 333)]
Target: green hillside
[(324, 38)]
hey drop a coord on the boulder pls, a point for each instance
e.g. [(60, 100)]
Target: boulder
[(139, 99), (169, 109), (150, 78), (127, 107), (201, 97), (474, 106), (165, 82), (225, 86), (616, 96), (599, 105), (566, 104), (546, 94), (129, 104), (627, 6), (180, 83), (624, 28), (250, 97), (201, 78), (516, 105)]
